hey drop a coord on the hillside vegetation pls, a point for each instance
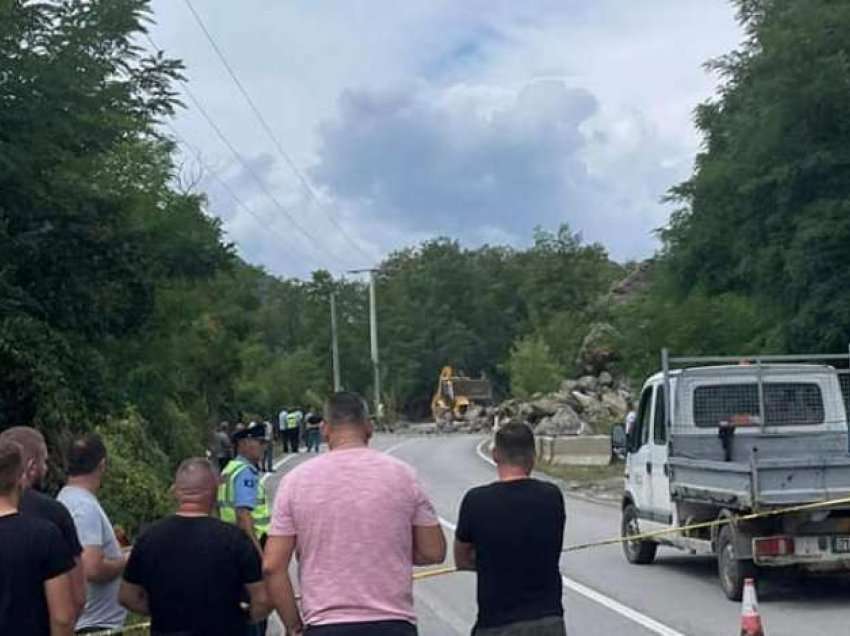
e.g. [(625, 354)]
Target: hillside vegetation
[(123, 306)]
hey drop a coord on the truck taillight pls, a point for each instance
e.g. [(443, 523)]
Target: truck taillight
[(774, 546)]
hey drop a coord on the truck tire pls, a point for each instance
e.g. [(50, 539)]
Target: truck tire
[(637, 552), (732, 570)]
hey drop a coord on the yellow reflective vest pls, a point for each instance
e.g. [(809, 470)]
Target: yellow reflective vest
[(293, 419), (227, 493)]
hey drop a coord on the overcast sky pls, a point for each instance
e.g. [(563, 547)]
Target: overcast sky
[(475, 119)]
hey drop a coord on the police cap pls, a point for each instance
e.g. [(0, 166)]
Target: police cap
[(252, 432)]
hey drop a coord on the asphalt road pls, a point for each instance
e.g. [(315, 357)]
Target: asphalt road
[(678, 594)]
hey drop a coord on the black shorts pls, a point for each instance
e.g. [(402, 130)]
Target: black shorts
[(374, 628)]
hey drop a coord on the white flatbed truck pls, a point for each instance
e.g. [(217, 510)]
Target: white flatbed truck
[(723, 441)]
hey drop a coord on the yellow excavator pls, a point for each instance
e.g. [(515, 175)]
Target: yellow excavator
[(456, 393)]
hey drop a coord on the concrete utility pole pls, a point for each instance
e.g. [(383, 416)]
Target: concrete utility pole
[(335, 345), (373, 334), (373, 337)]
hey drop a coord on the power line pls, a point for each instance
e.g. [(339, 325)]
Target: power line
[(223, 138), (214, 174), (270, 133)]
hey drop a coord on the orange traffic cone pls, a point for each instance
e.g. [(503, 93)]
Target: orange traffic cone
[(750, 619)]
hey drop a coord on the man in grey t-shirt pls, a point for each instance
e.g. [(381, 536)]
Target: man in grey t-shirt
[(103, 561)]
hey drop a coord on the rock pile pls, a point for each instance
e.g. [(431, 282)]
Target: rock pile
[(586, 406), (477, 419)]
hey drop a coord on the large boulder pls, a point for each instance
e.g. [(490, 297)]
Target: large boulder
[(606, 379), (568, 386), (597, 417), (584, 401), (616, 404), (565, 422), (587, 384), (545, 407), (598, 349), (525, 412)]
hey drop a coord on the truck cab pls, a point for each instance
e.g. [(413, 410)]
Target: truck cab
[(647, 474)]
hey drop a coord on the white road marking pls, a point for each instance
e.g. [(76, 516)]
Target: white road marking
[(606, 601), (615, 606), (481, 454), (277, 465), (395, 447)]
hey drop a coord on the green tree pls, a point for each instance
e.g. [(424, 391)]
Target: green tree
[(532, 368), (77, 108), (766, 214)]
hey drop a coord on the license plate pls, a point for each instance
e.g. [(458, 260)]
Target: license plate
[(841, 544)]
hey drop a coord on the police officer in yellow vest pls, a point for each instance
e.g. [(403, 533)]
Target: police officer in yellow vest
[(291, 440), (241, 496)]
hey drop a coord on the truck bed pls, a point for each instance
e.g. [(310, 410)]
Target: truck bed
[(765, 470)]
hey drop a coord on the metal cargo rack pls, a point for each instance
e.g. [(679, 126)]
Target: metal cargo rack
[(774, 459)]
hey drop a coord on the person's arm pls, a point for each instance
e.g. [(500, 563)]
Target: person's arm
[(244, 500), (429, 545), (464, 547), (66, 526), (279, 550), (133, 593), (260, 606), (78, 585), (249, 564), (60, 605), (134, 598), (245, 521), (98, 568), (464, 555)]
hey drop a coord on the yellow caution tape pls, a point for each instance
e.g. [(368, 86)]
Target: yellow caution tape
[(427, 574), (710, 524)]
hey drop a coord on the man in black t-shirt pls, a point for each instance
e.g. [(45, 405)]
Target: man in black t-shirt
[(511, 533), (36, 504), (35, 589), (189, 572)]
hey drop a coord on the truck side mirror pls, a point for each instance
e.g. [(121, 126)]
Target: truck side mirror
[(619, 441)]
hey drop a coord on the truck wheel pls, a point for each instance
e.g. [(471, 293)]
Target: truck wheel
[(637, 552), (732, 570)]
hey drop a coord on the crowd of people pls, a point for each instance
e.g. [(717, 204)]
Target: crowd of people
[(293, 428), (357, 520)]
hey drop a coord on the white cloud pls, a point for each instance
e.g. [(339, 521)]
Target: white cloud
[(480, 119)]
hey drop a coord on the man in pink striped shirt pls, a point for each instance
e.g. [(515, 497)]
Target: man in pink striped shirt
[(358, 521)]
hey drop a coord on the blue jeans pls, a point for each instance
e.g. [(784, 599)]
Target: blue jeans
[(313, 439)]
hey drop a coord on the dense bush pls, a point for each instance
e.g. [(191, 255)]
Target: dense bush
[(532, 368), (138, 474)]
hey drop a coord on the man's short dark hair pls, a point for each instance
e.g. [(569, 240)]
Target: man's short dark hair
[(515, 442), (11, 465), (30, 440), (346, 407), (85, 454)]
